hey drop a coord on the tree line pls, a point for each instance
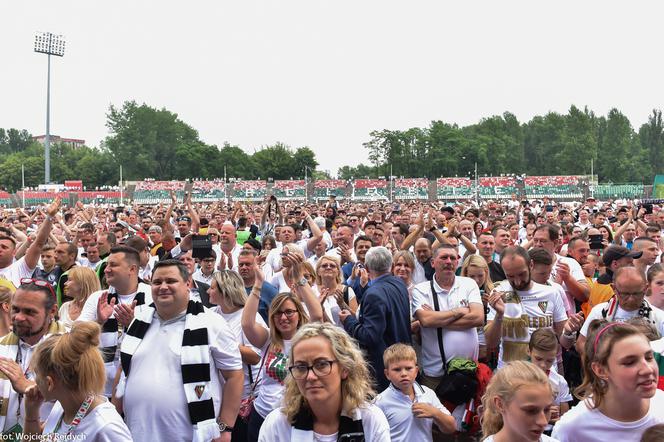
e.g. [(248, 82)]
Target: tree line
[(156, 143)]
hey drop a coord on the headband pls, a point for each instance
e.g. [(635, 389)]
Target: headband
[(599, 334)]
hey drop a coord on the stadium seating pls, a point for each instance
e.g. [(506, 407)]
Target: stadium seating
[(411, 189), (324, 188), (289, 189), (208, 191), (553, 186), (612, 191), (249, 190), (497, 187), (371, 190), (155, 192), (454, 188)]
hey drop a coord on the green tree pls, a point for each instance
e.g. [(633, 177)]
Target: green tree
[(274, 162), (651, 137), (303, 157), (238, 163), (146, 142)]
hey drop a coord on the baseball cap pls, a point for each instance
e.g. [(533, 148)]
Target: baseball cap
[(617, 252)]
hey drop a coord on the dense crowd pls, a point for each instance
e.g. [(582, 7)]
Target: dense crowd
[(287, 321)]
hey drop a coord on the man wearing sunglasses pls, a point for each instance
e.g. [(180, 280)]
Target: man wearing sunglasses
[(33, 313)]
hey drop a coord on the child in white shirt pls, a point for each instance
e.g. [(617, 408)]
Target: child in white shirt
[(410, 408)]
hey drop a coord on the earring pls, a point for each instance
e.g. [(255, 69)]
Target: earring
[(603, 383)]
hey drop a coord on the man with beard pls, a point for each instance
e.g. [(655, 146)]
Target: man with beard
[(519, 306), (33, 313)]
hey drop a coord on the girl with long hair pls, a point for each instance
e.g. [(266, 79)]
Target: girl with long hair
[(286, 315), (619, 396), (517, 404)]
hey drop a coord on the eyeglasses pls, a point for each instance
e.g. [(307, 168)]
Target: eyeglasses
[(354, 220), (320, 369), (209, 260), (328, 266), (39, 283), (635, 294), (289, 313)]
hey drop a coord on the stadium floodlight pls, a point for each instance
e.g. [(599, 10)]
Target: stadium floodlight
[(49, 44)]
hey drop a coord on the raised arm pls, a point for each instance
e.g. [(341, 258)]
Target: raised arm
[(34, 251), (316, 233), (256, 334)]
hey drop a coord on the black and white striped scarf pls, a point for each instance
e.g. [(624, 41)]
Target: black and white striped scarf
[(195, 363), (110, 330)]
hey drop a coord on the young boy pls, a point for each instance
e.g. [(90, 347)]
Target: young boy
[(410, 408), (542, 349)]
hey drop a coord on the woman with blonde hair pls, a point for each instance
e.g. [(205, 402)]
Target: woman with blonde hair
[(619, 395), (286, 315), (6, 292), (81, 282), (328, 393), (403, 266), (517, 404), (228, 294), (476, 268), (334, 295), (69, 369)]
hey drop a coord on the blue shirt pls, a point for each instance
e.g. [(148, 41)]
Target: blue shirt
[(268, 292)]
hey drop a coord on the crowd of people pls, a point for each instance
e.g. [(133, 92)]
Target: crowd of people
[(288, 321)]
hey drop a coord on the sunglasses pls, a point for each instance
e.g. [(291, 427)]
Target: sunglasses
[(39, 283)]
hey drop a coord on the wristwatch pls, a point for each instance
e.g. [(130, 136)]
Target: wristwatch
[(302, 282), (224, 428)]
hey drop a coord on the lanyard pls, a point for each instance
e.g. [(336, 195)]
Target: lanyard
[(80, 414)]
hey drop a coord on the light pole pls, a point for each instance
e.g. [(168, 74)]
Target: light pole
[(49, 44)]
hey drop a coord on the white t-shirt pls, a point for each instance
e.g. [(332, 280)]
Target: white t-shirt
[(89, 313), (332, 308), (584, 424), (560, 388), (234, 321), (276, 427), (574, 269), (156, 375), (540, 307), (102, 424), (397, 407), (543, 438), (271, 385), (622, 316), (456, 343), (17, 271)]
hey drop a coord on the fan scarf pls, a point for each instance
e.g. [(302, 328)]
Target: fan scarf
[(195, 363)]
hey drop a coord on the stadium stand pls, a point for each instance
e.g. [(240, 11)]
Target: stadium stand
[(323, 189), (371, 190), (497, 187), (568, 187), (155, 192), (289, 189), (610, 191), (249, 190), (208, 191), (411, 189), (454, 188)]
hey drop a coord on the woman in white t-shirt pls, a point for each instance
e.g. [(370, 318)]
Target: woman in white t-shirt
[(517, 404), (69, 369), (228, 294), (327, 394), (81, 282), (476, 268), (286, 316), (619, 396), (334, 296)]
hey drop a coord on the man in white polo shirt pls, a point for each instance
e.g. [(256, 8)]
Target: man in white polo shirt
[(457, 310)]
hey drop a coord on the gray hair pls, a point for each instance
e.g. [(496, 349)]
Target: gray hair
[(378, 260)]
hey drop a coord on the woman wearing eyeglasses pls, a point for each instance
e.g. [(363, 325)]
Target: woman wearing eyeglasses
[(327, 395), (334, 296), (286, 315)]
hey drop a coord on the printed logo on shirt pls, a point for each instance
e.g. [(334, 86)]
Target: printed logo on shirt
[(542, 305), (276, 365)]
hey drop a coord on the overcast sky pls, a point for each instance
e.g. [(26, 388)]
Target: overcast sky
[(326, 73)]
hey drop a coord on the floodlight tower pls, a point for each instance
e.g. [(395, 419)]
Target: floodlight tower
[(49, 44)]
